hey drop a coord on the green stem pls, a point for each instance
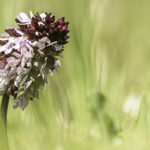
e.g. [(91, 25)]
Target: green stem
[(4, 107), (3, 122)]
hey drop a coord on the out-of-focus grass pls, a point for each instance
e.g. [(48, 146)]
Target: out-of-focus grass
[(100, 97)]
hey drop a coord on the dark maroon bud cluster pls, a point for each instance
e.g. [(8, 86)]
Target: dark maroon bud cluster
[(45, 26)]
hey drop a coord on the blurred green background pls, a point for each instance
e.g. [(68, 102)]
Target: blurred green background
[(100, 98)]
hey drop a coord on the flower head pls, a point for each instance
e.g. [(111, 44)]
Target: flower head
[(28, 54)]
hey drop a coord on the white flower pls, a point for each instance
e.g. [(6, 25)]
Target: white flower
[(57, 64), (23, 18), (42, 15), (132, 105)]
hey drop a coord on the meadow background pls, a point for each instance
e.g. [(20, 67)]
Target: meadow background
[(100, 98)]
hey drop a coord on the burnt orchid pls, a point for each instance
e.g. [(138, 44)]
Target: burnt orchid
[(29, 53)]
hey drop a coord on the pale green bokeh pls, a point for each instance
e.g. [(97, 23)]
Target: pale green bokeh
[(106, 62)]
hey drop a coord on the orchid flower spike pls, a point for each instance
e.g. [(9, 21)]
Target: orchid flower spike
[(29, 53)]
